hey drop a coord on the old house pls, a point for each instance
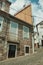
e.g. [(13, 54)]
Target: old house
[(15, 33), (36, 40), (39, 27)]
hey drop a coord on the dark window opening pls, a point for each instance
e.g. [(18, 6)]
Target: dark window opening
[(42, 42), (27, 49), (42, 36), (0, 24)]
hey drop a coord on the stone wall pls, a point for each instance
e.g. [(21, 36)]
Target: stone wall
[(20, 43)]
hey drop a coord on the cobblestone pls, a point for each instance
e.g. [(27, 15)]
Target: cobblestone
[(34, 59)]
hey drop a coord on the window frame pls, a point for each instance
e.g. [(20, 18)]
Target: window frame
[(1, 23), (25, 49), (2, 6), (23, 32), (13, 28)]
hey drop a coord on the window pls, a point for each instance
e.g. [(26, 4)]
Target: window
[(26, 49), (14, 29), (2, 5), (25, 32), (1, 22)]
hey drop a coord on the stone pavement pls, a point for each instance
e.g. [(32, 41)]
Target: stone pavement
[(34, 59)]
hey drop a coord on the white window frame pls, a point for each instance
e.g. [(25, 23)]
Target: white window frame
[(12, 28), (23, 32)]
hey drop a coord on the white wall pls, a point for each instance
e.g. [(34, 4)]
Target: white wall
[(40, 31), (36, 38)]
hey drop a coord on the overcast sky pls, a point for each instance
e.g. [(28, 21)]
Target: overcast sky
[(37, 8)]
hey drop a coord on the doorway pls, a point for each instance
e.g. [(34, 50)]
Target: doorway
[(42, 42), (12, 51)]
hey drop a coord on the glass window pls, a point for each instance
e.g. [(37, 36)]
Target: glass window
[(3, 6), (1, 21), (14, 25), (14, 29), (25, 32), (0, 4)]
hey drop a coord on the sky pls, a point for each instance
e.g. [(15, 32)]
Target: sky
[(37, 8)]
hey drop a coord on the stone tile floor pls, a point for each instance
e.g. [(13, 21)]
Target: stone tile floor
[(34, 59)]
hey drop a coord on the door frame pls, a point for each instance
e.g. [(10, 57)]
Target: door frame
[(25, 50), (8, 49)]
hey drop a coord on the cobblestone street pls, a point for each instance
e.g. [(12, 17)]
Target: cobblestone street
[(34, 59)]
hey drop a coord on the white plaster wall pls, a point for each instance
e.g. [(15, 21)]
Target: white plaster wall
[(40, 31), (36, 38)]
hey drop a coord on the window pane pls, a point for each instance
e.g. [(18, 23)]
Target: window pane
[(1, 21), (25, 32), (3, 6), (0, 4), (13, 30), (26, 29), (13, 25)]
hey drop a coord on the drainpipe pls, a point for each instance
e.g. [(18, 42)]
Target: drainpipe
[(33, 35), (33, 42)]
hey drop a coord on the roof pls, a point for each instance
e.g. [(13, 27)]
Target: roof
[(9, 16)]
